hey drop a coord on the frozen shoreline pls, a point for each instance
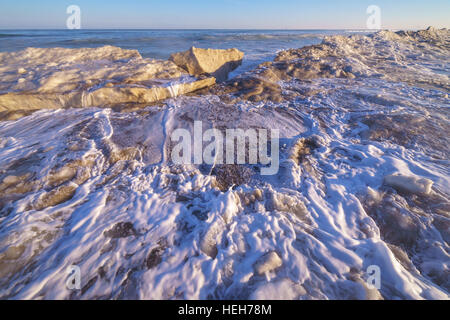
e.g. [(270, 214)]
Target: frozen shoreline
[(94, 187)]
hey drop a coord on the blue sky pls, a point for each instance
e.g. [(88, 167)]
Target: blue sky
[(228, 14)]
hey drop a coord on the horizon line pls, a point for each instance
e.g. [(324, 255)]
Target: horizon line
[(230, 29)]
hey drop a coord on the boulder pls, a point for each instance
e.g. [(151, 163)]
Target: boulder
[(216, 62)]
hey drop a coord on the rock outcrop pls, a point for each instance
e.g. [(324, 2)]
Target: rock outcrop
[(215, 62)]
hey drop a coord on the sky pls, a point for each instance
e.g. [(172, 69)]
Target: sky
[(224, 14)]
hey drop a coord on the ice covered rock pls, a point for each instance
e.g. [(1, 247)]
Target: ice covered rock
[(277, 201), (384, 54), (215, 62), (410, 184), (267, 263), (283, 289), (52, 78), (208, 243), (114, 95)]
